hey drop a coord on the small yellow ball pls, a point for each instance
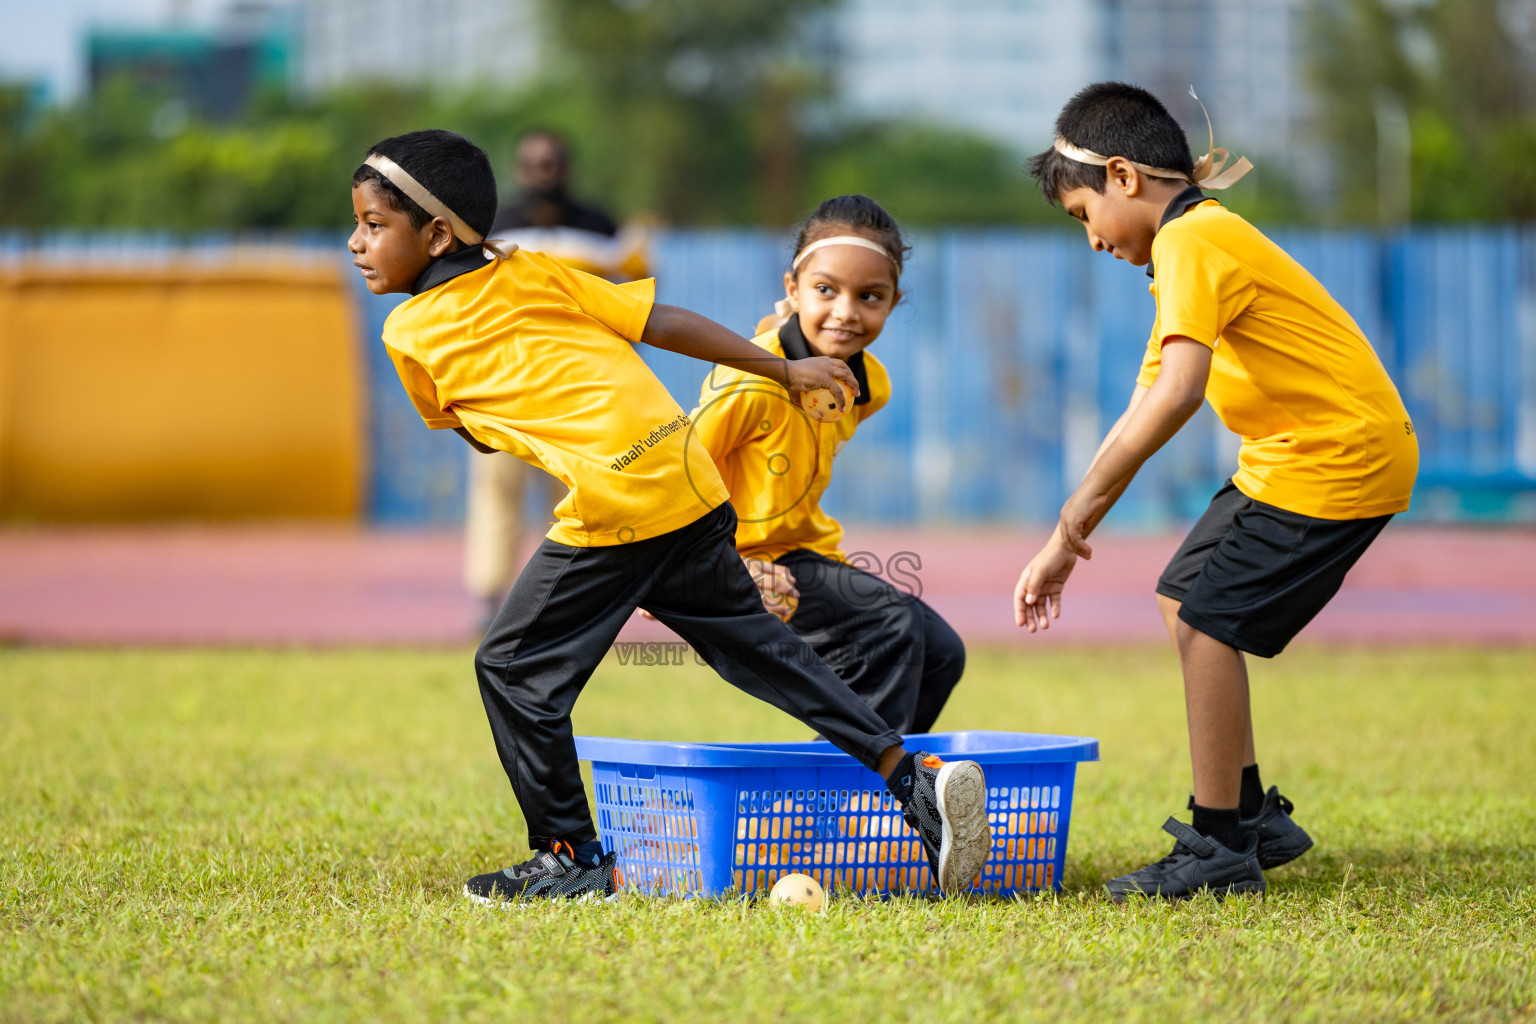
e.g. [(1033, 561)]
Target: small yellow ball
[(818, 404), (798, 890)]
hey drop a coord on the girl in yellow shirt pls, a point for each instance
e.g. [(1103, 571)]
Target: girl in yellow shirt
[(892, 650)]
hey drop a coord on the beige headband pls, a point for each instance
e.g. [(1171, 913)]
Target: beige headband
[(785, 308), (858, 240), (1208, 172), (401, 179)]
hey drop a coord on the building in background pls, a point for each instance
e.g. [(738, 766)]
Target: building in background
[(211, 68), (1003, 68), (1245, 58), (446, 42)]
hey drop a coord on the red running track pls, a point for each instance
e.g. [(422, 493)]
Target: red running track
[(321, 585)]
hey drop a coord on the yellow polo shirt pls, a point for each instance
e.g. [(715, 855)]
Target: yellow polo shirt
[(1324, 431), (776, 460), (536, 359)]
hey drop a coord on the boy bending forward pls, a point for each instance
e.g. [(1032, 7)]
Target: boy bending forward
[(519, 353), (1328, 456)]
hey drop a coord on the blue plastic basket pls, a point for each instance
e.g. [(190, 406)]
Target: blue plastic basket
[(711, 818)]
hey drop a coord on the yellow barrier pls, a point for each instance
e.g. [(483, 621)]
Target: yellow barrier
[(181, 390)]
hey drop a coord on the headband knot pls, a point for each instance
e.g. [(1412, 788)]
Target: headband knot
[(1210, 171)]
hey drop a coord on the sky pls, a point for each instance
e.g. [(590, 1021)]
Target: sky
[(44, 40)]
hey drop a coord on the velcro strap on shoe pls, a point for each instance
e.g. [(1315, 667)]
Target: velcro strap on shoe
[(1196, 842)]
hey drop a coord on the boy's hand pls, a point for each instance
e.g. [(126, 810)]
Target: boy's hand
[(776, 584), (1079, 516), (678, 330), (1037, 598), (819, 372)]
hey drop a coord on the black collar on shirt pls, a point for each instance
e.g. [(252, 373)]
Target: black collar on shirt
[(796, 347), (1178, 206), (446, 268)]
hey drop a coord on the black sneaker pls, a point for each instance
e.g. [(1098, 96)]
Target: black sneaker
[(1197, 863), (547, 875), (1281, 840), (948, 811)]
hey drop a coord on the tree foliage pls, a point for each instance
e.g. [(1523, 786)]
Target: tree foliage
[(682, 111), (1464, 71)]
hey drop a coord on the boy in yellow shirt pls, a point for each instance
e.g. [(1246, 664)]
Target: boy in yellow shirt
[(1328, 456), (518, 353)]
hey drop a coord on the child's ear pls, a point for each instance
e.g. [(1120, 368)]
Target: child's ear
[(896, 299), (439, 237), (791, 289), (1120, 173)]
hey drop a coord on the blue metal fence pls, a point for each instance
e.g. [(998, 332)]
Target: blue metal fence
[(1013, 351), (1010, 355)]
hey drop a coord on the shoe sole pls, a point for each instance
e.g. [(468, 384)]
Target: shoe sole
[(500, 904), (1221, 892), (961, 791)]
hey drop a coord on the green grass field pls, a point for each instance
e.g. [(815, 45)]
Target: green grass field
[(283, 836)]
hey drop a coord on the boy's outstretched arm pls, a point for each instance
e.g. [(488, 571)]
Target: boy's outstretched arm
[(1173, 398), (1154, 415), (1038, 591), (679, 330)]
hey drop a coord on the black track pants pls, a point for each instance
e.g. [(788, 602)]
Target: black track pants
[(562, 616), (889, 647)]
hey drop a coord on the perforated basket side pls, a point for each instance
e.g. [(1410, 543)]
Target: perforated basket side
[(666, 825), (833, 825), (706, 831), (711, 829), (1030, 808), (829, 823)]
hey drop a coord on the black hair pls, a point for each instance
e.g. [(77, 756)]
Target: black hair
[(1111, 119), (448, 165), (860, 213)]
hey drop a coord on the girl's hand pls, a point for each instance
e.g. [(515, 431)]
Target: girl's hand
[(776, 584), (819, 372), (1037, 598)]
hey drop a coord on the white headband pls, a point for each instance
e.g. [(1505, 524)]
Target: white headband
[(1208, 172), (786, 309), (401, 179), (858, 240)]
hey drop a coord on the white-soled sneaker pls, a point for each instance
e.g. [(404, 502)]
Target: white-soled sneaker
[(948, 811)]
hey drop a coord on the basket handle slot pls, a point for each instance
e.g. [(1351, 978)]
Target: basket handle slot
[(637, 771)]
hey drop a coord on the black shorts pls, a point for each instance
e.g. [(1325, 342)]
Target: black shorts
[(1252, 575)]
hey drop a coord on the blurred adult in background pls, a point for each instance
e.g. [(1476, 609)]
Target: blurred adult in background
[(541, 216), (542, 171)]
